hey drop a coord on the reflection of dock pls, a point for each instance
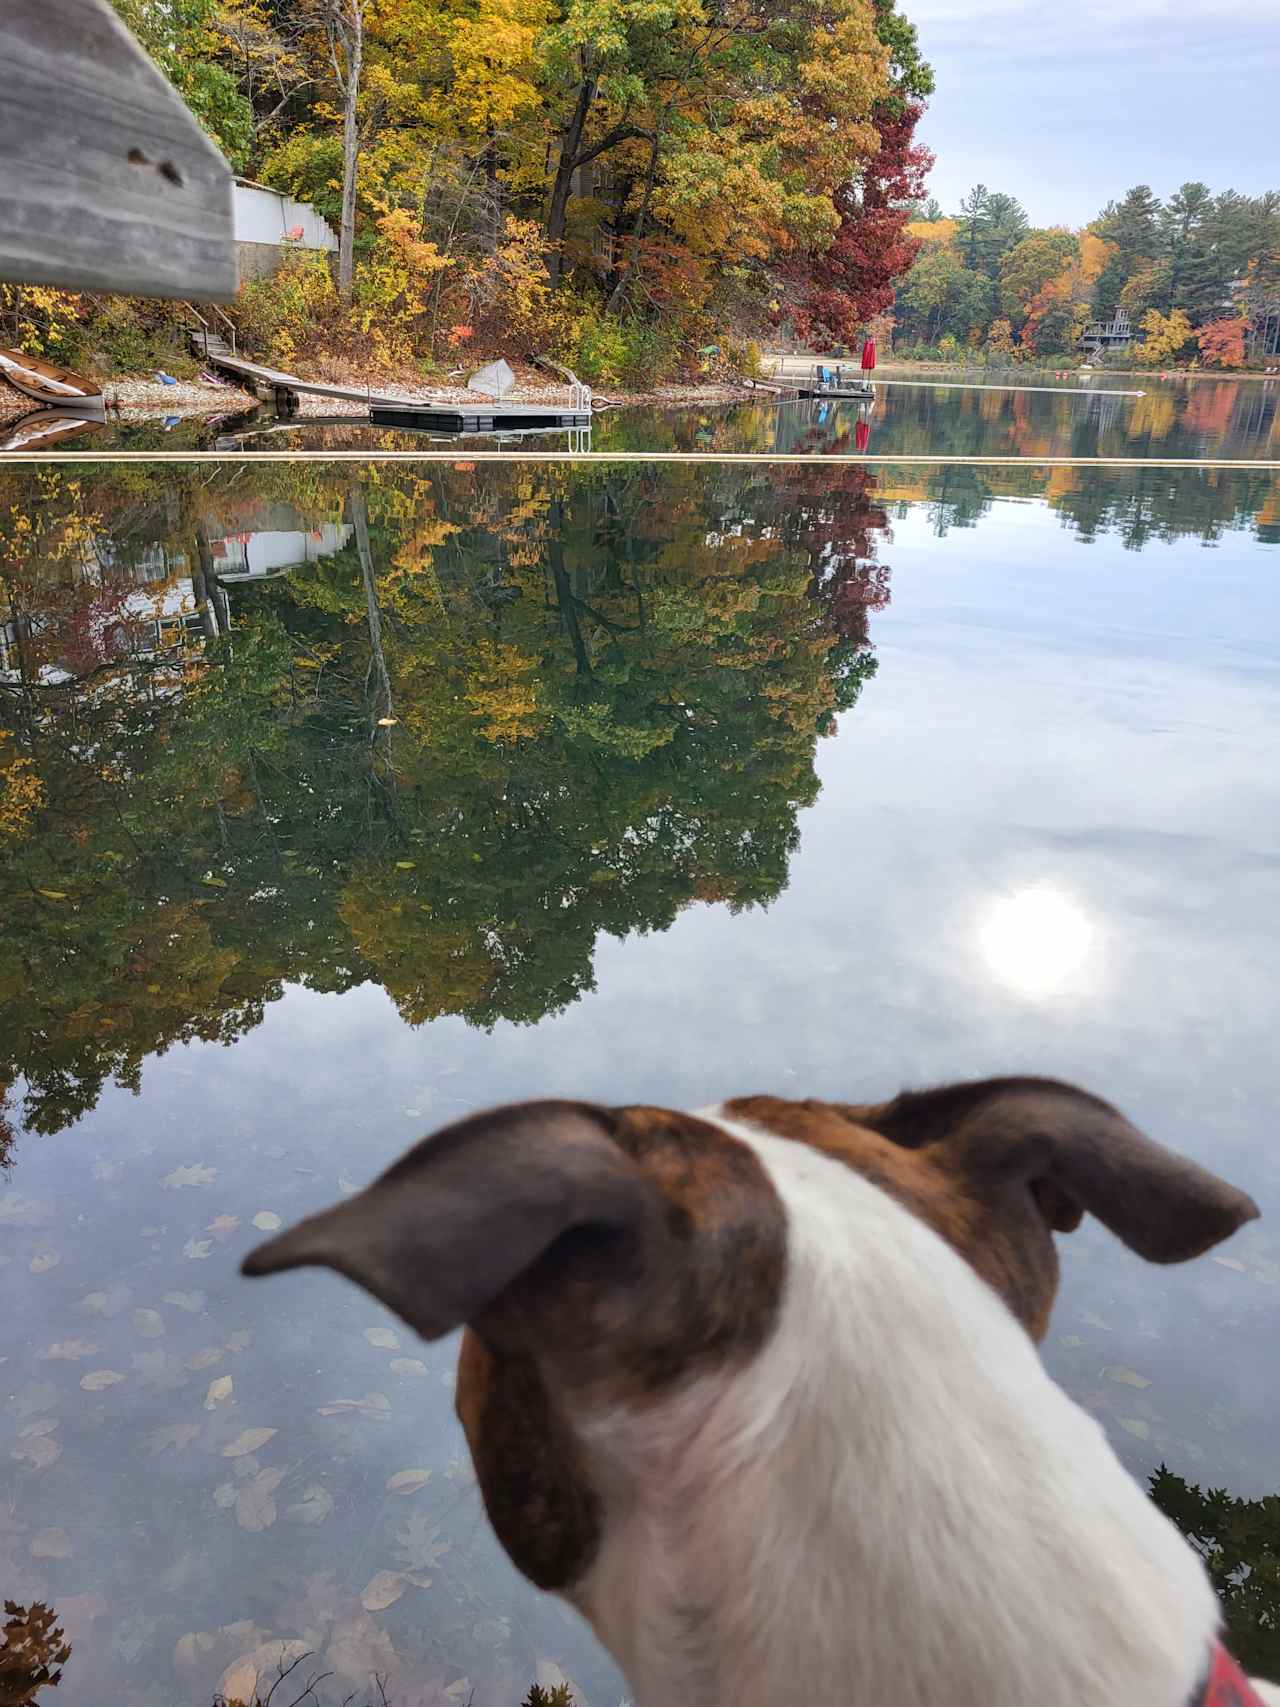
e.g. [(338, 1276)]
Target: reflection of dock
[(578, 437)]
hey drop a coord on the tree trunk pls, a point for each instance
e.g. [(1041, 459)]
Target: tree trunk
[(564, 592), (350, 27), (359, 513), (637, 231), (570, 148), (493, 193)]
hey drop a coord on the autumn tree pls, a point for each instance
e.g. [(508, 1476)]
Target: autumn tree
[(1221, 342), (835, 293), (1166, 334), (1029, 266)]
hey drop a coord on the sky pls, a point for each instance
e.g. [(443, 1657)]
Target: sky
[(1067, 103)]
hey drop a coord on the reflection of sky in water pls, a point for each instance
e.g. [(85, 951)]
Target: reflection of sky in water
[(1045, 842)]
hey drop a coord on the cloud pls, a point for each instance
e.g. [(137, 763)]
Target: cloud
[(1181, 15)]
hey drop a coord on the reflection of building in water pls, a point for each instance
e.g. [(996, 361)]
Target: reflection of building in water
[(149, 601), (1254, 415), (254, 555), (1102, 409)]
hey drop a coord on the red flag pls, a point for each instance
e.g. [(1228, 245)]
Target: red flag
[(868, 355), (861, 435)]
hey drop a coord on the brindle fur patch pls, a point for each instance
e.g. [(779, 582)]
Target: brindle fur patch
[(603, 1321), (995, 1223)]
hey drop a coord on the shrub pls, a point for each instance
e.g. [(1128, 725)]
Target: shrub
[(278, 315)]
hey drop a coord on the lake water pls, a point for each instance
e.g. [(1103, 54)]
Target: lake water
[(1171, 418), (634, 782)]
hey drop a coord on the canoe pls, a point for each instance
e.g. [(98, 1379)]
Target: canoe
[(45, 427), (45, 381)]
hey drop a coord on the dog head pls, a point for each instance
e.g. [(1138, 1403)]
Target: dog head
[(601, 1257)]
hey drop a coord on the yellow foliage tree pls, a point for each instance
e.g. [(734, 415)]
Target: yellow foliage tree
[(1166, 334)]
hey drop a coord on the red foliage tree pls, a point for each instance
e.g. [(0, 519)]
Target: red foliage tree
[(833, 294), (1222, 342)]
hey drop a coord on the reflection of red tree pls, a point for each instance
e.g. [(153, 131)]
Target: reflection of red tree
[(1208, 409), (831, 515), (96, 627)]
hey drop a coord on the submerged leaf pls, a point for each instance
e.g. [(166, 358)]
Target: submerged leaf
[(191, 1302), (197, 1249), (1136, 1427), (18, 1211), (44, 1260), (421, 1547), (206, 1359), (97, 1379), (225, 1495), (196, 1174), (408, 1481), (384, 1338), (66, 1351), (37, 1454), (266, 1221), (148, 1323), (375, 1406), (255, 1508), (108, 1303), (408, 1366), (1126, 1377), (314, 1506), (219, 1392), (248, 1441), (223, 1226), (382, 1590)]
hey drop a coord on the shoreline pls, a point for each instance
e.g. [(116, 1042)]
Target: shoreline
[(138, 400), (908, 368)]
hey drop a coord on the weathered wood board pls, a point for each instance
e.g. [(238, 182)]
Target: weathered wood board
[(107, 183)]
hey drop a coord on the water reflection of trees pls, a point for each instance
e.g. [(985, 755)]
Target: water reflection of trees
[(1208, 418), (519, 708), (1137, 505)]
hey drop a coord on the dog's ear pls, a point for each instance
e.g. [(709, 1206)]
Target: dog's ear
[(1076, 1153), (466, 1211)]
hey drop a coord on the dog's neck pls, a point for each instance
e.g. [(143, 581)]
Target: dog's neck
[(891, 1503)]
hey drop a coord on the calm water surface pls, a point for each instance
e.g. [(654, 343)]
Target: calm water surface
[(655, 783), (1173, 418)]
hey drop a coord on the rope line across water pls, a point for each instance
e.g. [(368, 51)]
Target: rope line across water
[(884, 459)]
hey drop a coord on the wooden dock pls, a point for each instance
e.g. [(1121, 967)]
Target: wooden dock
[(386, 409)]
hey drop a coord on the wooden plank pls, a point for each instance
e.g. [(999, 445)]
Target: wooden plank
[(107, 183)]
